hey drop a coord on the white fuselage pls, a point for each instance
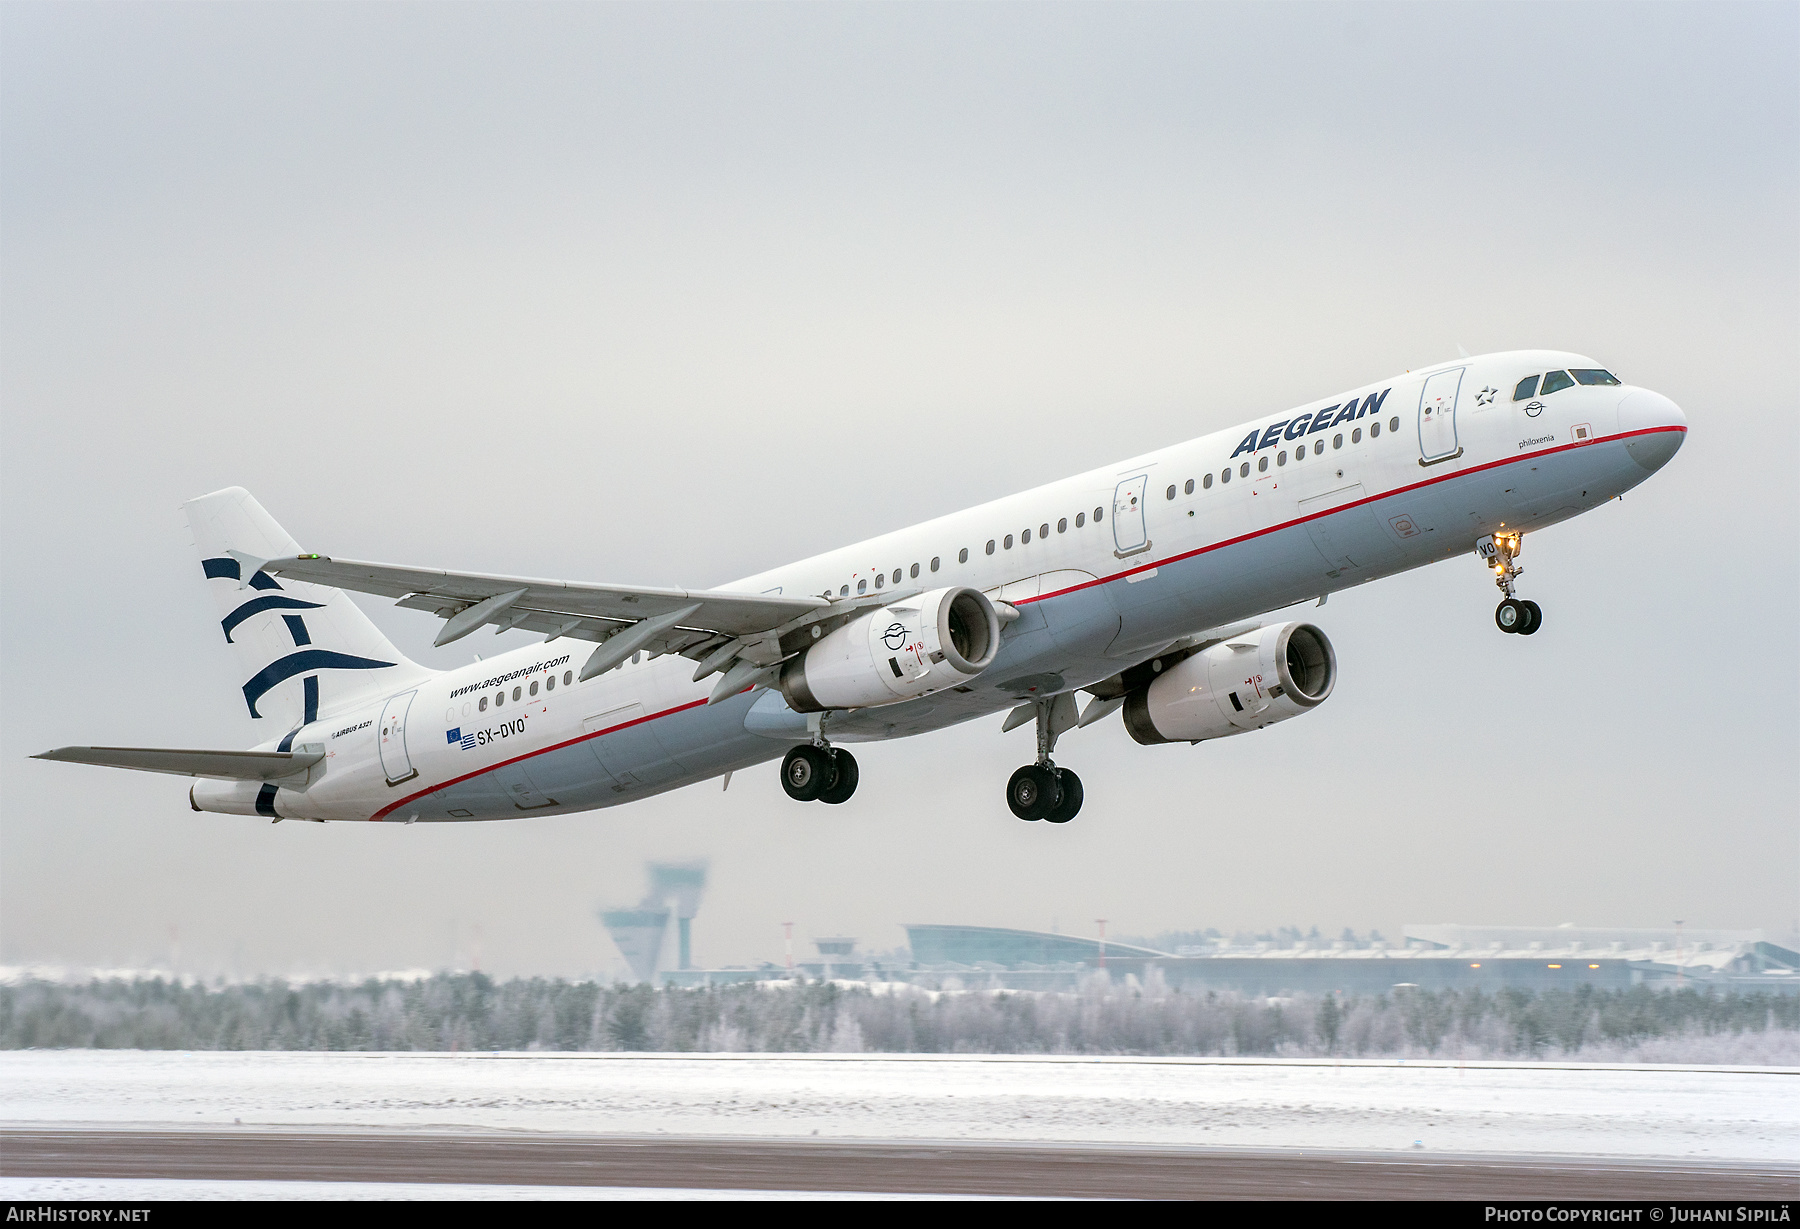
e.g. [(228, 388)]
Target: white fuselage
[(1106, 569)]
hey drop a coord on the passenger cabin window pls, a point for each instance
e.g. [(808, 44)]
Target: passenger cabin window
[(897, 573), (1356, 436), (483, 705), (1189, 488), (1025, 537), (934, 561), (1337, 441), (1244, 470), (1080, 519), (1262, 465), (862, 586), (1374, 430), (880, 578), (1170, 493), (1225, 475), (1592, 375), (1062, 526), (516, 693), (1393, 425), (1009, 541), (1099, 515), (534, 688), (1206, 482), (1044, 530), (1526, 390), (914, 572), (550, 683), (963, 555), (568, 677), (1281, 457), (1555, 382), (843, 590), (499, 698), (990, 546)]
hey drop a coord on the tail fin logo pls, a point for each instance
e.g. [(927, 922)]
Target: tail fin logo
[(299, 662)]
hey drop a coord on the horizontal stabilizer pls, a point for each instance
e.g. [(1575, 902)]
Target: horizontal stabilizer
[(219, 765)]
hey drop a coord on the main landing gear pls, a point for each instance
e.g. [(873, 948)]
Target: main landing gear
[(819, 772), (1514, 614), (1042, 790)]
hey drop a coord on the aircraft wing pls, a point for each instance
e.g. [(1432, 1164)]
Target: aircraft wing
[(220, 765), (714, 627)]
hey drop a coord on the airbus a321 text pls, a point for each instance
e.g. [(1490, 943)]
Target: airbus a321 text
[(1143, 585)]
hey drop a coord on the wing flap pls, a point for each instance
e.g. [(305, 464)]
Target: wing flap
[(219, 765)]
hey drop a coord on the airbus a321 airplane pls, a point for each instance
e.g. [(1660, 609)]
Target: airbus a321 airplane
[(1139, 584)]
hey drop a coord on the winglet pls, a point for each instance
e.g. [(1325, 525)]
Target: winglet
[(248, 565)]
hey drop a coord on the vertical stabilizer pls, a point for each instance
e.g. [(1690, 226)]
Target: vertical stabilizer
[(302, 650)]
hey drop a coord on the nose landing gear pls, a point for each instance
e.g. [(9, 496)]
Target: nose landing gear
[(1520, 617), (1514, 614), (819, 772), (1042, 790)]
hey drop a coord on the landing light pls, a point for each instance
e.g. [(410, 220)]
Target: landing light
[(1593, 966), (1556, 966)]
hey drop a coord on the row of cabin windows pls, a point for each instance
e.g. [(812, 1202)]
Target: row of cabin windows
[(1281, 458), (962, 556), (1062, 525), (1043, 530), (521, 691), (881, 579), (1556, 381)]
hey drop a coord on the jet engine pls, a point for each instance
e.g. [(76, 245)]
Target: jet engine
[(1244, 683), (916, 646)]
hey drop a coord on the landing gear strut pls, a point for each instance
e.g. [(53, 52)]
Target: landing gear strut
[(1514, 614), (1042, 790), (819, 772)]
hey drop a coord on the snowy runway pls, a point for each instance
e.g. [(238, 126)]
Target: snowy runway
[(1701, 1113)]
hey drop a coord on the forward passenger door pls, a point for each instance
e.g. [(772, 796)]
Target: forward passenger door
[(1437, 417)]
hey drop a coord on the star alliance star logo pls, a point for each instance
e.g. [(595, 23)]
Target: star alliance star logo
[(1486, 396)]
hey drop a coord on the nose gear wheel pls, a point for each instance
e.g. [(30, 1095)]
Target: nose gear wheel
[(1514, 615)]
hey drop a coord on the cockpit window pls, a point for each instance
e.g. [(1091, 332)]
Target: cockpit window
[(1593, 375), (1556, 381), (1527, 388)]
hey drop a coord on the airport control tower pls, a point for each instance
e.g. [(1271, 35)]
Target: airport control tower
[(642, 933), (679, 885)]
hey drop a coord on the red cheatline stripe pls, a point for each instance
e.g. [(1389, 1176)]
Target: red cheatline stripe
[(1145, 567), (1333, 511), (392, 807)]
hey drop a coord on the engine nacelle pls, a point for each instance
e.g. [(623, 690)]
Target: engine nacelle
[(916, 646), (1244, 683)]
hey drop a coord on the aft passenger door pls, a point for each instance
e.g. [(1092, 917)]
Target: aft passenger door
[(396, 764), (1129, 535), (1437, 417)]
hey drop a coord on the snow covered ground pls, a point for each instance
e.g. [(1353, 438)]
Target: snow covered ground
[(1520, 1108)]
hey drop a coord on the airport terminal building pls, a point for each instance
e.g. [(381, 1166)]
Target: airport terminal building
[(1435, 957)]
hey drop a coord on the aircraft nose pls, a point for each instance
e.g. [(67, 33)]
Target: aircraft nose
[(1653, 426)]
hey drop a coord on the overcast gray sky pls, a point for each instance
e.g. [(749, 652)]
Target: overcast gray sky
[(647, 293)]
